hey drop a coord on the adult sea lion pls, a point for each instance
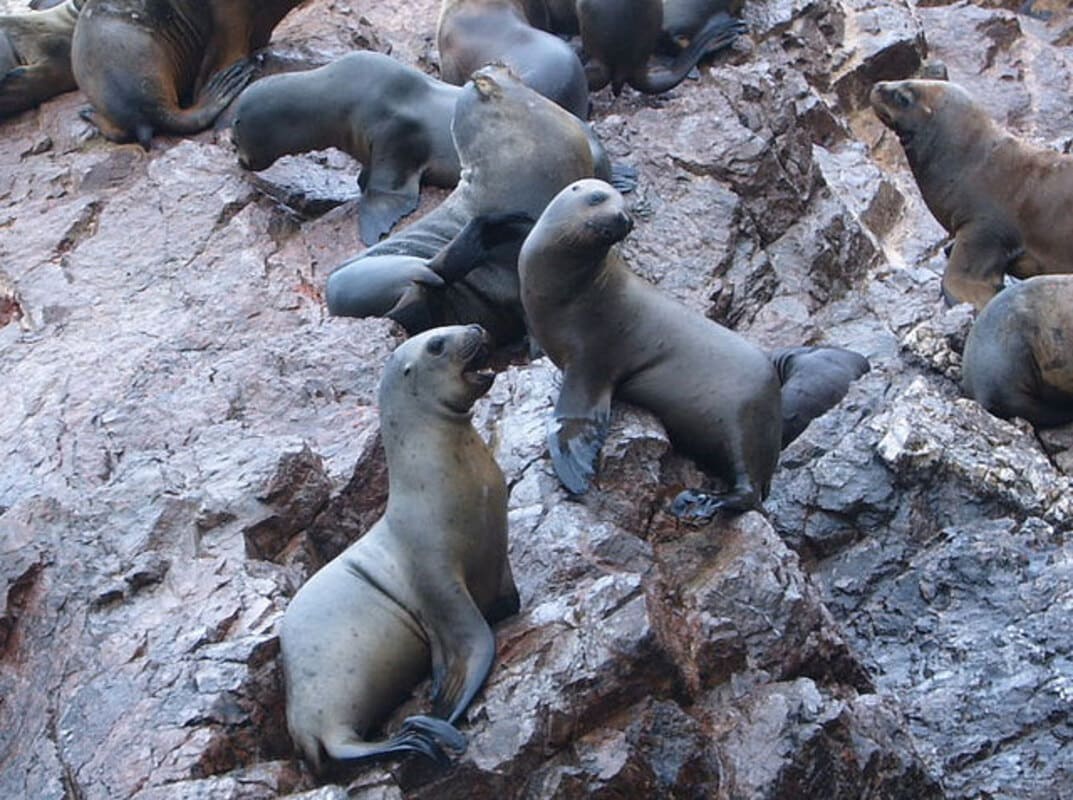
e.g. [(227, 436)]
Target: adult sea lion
[(35, 56), (472, 33), (518, 149), (1018, 359), (417, 589), (1006, 202), (619, 36), (721, 398), (168, 66), (394, 119)]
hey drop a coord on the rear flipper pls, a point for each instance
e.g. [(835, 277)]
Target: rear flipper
[(698, 508), (718, 32), (813, 380), (623, 177), (216, 95), (430, 737)]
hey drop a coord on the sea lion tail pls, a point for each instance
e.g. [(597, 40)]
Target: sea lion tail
[(719, 32), (813, 380), (431, 737)]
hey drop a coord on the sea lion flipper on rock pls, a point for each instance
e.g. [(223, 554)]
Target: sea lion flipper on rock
[(578, 430), (718, 33), (814, 379), (391, 184), (979, 258), (461, 661)]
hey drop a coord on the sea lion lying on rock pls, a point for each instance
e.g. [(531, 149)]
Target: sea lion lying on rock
[(1007, 203), (1018, 359), (167, 66), (724, 401), (35, 56), (419, 589)]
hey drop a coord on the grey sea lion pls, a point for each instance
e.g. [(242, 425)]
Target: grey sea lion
[(1006, 202), (473, 33), (518, 149), (394, 119), (417, 591), (167, 66), (1018, 359), (619, 36), (35, 56), (721, 398)]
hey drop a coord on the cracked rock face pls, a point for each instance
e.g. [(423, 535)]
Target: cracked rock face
[(186, 436)]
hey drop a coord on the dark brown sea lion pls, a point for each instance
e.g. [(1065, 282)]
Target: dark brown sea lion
[(682, 19), (721, 398), (518, 149), (619, 36), (167, 66), (394, 119), (35, 56), (1018, 359), (472, 33), (419, 589), (1007, 203)]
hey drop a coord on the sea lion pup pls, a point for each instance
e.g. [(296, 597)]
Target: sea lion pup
[(35, 56), (611, 332), (472, 33), (1006, 202), (1018, 359), (167, 66), (518, 149), (394, 119), (416, 590), (619, 36)]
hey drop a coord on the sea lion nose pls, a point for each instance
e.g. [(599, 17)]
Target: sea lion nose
[(626, 221)]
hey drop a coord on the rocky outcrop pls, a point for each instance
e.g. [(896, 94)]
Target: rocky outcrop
[(186, 436)]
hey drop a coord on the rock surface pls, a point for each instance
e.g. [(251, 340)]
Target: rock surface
[(185, 436)]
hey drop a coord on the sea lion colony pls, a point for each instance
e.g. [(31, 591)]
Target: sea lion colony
[(418, 591)]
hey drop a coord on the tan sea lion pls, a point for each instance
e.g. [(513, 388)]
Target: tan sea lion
[(167, 66), (35, 56), (722, 399), (518, 149), (1018, 359), (1006, 202), (619, 36), (394, 119), (473, 33), (414, 592)]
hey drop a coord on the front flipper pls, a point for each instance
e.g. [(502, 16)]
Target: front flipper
[(484, 239), (698, 508), (979, 259), (463, 649), (381, 205), (578, 430), (813, 380)]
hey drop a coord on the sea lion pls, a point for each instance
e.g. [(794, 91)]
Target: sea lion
[(35, 56), (472, 33), (518, 149), (683, 18), (1006, 202), (394, 119), (168, 66), (612, 333), (417, 589), (1018, 359), (619, 36)]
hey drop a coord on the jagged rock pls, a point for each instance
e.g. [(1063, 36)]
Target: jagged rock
[(185, 437)]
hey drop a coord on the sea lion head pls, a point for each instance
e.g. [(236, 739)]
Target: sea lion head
[(515, 145), (266, 126), (587, 215), (909, 107), (441, 371)]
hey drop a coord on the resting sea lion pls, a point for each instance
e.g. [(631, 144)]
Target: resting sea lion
[(415, 590), (1006, 202), (168, 66), (472, 33), (720, 397), (1018, 359), (518, 149), (394, 119), (35, 56), (619, 36)]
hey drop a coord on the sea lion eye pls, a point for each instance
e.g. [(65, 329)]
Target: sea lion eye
[(597, 197), (435, 346), (903, 98)]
